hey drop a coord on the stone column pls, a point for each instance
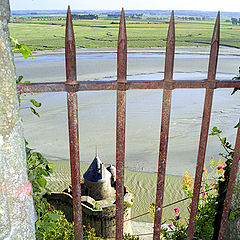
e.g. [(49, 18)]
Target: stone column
[(17, 219)]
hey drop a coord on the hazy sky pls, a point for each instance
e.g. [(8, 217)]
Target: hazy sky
[(207, 5)]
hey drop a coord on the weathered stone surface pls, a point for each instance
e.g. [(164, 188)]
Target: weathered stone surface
[(17, 220), (233, 227), (8, 97), (4, 10)]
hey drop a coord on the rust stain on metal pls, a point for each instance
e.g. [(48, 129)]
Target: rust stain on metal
[(130, 85), (204, 129), (166, 108), (122, 50), (212, 67), (70, 51), (170, 51), (231, 184), (72, 104), (121, 124)]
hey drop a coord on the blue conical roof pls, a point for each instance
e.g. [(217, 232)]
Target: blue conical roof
[(96, 171)]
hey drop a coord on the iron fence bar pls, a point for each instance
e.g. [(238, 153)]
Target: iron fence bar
[(130, 85), (72, 104), (205, 127), (166, 108), (231, 184), (121, 124)]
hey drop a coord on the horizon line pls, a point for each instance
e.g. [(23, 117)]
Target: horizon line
[(125, 10)]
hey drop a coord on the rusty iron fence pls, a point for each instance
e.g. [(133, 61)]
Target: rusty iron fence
[(121, 85)]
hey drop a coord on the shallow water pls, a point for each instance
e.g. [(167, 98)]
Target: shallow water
[(97, 125)]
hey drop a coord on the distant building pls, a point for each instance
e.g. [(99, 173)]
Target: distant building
[(97, 181), (98, 200)]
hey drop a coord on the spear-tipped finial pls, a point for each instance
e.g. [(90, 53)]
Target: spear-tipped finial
[(69, 17), (122, 50), (212, 66), (70, 51), (170, 50)]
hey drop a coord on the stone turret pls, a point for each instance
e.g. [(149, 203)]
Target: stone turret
[(98, 181), (98, 200), (112, 170)]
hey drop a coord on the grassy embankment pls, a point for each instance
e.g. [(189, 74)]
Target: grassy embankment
[(45, 35)]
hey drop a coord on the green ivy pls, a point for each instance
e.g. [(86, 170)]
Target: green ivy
[(21, 48), (223, 182)]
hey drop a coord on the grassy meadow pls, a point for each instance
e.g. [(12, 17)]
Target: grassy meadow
[(49, 34)]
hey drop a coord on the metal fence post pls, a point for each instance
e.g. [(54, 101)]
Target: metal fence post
[(121, 123), (166, 109), (72, 104)]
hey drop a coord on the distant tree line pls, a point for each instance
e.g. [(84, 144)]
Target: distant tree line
[(193, 18), (85, 16), (128, 15), (235, 21)]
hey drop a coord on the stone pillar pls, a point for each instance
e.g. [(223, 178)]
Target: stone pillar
[(233, 226), (17, 219)]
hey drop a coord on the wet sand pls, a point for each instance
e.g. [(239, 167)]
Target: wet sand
[(49, 135)]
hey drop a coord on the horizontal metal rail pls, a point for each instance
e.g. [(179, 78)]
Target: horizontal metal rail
[(130, 85)]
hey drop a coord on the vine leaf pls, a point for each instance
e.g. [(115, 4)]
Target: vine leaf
[(42, 182), (21, 48), (34, 111), (236, 78), (35, 103)]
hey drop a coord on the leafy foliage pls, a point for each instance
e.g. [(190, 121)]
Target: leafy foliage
[(223, 181), (33, 102), (38, 169), (127, 204), (127, 236), (176, 230), (236, 78), (236, 89), (26, 52), (53, 225), (211, 199), (21, 48), (208, 199)]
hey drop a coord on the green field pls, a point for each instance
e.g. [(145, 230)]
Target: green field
[(47, 34)]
